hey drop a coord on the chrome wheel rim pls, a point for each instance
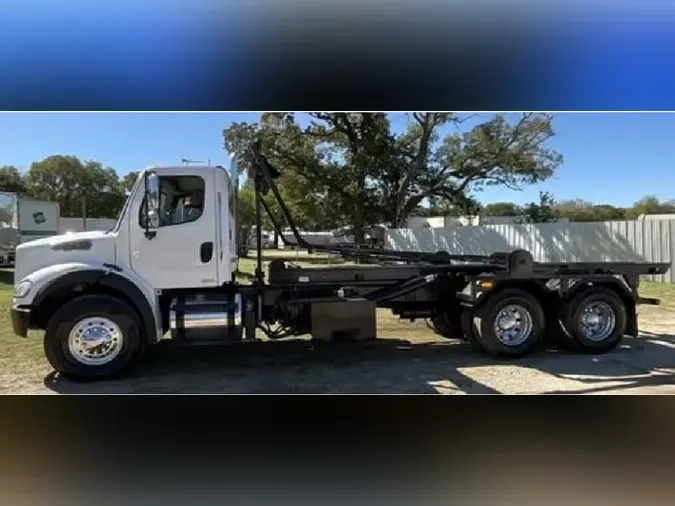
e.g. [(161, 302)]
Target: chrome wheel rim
[(95, 341), (597, 321), (513, 325)]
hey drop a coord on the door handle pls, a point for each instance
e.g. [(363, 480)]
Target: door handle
[(206, 252)]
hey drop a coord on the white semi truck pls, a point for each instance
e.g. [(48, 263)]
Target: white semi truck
[(167, 271), (23, 220)]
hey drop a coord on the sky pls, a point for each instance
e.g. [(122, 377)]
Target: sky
[(614, 158)]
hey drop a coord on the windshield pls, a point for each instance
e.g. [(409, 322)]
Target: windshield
[(126, 205)]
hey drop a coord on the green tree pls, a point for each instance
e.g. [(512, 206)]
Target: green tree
[(105, 197), (543, 211), (81, 189), (606, 212), (313, 207), (128, 180), (61, 179), (494, 152), (649, 205), (245, 218), (11, 180), (578, 210), (502, 209), (350, 169)]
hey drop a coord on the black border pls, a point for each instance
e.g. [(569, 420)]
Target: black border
[(301, 55)]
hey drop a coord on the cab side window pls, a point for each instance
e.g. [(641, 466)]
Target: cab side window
[(181, 201)]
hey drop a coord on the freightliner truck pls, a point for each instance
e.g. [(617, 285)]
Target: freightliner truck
[(167, 270)]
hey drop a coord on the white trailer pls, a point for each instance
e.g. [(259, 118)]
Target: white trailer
[(9, 236), (23, 220)]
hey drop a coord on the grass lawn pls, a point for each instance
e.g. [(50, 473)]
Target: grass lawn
[(16, 354), (247, 265), (663, 291)]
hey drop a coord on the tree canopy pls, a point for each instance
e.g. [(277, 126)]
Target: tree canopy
[(578, 210), (81, 188), (11, 180), (353, 169)]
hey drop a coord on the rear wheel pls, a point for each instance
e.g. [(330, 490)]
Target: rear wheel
[(469, 330), (510, 323), (448, 324), (457, 325), (93, 336), (594, 321)]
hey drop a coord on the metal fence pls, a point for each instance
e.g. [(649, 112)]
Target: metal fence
[(627, 241), (78, 225)]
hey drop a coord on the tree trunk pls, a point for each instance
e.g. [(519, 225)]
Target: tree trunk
[(359, 210)]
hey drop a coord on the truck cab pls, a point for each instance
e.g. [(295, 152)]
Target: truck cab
[(175, 232)]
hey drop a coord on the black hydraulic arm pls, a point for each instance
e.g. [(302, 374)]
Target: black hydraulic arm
[(275, 224), (263, 173), (263, 178)]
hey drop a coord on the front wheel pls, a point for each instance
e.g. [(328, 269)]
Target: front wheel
[(93, 337)]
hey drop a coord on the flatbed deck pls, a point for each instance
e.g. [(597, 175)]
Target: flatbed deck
[(289, 275)]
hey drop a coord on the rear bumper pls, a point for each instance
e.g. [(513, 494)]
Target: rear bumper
[(20, 320)]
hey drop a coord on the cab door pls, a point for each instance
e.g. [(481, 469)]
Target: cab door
[(180, 250)]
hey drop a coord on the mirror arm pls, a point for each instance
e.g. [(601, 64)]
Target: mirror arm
[(149, 234)]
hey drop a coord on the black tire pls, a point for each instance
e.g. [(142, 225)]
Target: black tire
[(486, 315), (447, 324), (469, 330), (572, 312), (56, 343)]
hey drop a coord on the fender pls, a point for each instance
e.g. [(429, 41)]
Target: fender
[(107, 278), (620, 285)]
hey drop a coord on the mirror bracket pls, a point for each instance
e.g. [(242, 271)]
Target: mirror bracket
[(149, 233)]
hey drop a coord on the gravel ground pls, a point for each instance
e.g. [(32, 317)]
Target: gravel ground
[(409, 359)]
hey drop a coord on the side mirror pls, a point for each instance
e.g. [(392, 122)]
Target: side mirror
[(151, 204)]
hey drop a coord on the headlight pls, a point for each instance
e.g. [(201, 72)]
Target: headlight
[(22, 289)]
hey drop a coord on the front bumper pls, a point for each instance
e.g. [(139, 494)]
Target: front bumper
[(20, 320)]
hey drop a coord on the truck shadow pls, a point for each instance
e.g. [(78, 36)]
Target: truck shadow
[(647, 362), (288, 367), (386, 366)]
